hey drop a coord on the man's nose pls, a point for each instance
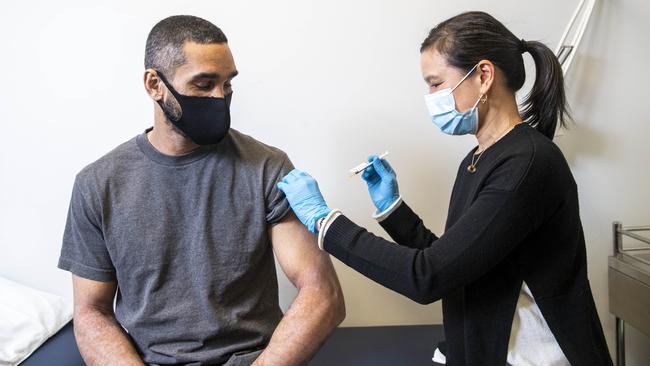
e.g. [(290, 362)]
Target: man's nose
[(217, 93)]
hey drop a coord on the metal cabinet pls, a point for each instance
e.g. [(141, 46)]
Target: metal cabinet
[(629, 283)]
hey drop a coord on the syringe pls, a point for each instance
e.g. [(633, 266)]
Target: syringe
[(363, 166)]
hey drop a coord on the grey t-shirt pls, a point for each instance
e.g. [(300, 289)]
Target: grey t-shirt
[(186, 239)]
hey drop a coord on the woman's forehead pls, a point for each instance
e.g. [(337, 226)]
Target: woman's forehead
[(434, 64)]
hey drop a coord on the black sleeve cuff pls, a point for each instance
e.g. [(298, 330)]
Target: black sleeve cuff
[(341, 233)]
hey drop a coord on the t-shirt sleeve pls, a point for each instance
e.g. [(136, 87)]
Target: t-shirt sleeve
[(84, 251), (277, 205)]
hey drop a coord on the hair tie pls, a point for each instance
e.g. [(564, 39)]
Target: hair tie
[(523, 46)]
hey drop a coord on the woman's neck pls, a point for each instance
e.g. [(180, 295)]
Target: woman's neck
[(500, 117)]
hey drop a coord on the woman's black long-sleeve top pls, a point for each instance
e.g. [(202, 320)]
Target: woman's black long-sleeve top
[(515, 219)]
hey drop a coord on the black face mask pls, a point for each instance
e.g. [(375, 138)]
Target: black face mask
[(204, 120)]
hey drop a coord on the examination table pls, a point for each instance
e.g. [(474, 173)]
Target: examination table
[(356, 346)]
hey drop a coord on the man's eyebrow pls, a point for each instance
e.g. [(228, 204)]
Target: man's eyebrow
[(206, 75), (212, 75)]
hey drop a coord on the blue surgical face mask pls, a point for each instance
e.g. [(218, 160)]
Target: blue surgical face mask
[(442, 109)]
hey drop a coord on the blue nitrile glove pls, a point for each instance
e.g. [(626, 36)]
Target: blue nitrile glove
[(382, 183), (304, 197)]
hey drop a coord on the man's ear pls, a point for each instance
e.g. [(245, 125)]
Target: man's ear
[(153, 84), (486, 72)]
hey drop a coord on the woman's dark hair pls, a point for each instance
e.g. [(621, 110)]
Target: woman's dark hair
[(471, 37)]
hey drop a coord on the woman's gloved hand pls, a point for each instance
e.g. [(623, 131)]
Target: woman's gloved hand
[(304, 197), (382, 183)]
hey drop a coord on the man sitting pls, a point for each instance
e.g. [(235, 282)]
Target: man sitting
[(181, 223)]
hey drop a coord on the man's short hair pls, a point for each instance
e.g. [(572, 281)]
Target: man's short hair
[(164, 49)]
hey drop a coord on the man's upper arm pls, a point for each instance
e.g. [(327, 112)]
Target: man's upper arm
[(297, 252), (84, 251), (93, 294), (277, 205)]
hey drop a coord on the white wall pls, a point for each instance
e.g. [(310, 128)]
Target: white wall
[(329, 82), (607, 147)]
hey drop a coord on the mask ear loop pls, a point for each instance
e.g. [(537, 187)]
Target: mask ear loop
[(174, 93), (482, 99), (168, 85), (465, 77)]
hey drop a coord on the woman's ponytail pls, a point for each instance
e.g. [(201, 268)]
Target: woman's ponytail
[(545, 106)]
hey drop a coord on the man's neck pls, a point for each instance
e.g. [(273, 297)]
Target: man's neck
[(168, 141)]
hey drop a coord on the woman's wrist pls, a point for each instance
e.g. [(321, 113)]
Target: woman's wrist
[(325, 225), (319, 224), (381, 215)]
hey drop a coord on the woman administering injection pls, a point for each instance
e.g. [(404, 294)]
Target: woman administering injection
[(513, 232)]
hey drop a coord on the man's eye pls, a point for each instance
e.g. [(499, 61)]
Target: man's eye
[(204, 86)]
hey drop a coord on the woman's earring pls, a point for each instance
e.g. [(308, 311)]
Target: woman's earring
[(484, 98)]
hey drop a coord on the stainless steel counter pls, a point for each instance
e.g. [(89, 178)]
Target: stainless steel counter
[(629, 283)]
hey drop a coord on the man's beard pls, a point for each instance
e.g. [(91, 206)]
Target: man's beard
[(173, 109)]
